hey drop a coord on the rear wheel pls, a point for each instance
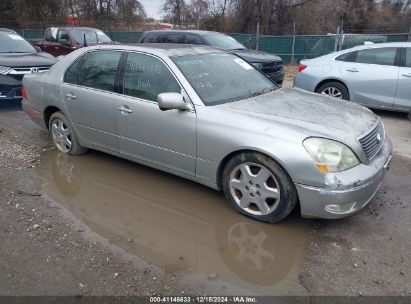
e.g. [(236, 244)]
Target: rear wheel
[(63, 135), (256, 186), (334, 89)]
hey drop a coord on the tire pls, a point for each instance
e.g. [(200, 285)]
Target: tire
[(341, 91), (258, 187), (63, 135)]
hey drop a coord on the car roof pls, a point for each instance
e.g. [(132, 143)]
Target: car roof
[(381, 45), (163, 49), (7, 30), (197, 32), (74, 28)]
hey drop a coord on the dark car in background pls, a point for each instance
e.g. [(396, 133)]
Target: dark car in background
[(60, 41), (17, 58), (269, 64)]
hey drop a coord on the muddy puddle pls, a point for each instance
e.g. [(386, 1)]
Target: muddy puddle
[(182, 227)]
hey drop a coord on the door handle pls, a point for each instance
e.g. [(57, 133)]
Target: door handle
[(407, 75), (353, 70), (125, 110), (71, 96)]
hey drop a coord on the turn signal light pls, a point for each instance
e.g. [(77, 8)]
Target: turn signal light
[(323, 168)]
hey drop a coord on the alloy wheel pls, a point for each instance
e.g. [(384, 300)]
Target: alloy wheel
[(61, 135), (254, 188), (333, 92)]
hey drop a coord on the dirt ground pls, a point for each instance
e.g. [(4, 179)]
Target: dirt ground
[(99, 225)]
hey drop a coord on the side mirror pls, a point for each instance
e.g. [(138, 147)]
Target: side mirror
[(172, 101), (38, 49)]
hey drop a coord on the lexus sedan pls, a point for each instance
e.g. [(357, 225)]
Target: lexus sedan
[(374, 75), (207, 115)]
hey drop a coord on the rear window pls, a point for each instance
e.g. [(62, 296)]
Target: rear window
[(153, 39), (174, 38), (408, 58), (381, 56), (348, 57)]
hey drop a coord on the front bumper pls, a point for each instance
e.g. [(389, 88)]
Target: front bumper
[(10, 88), (348, 192)]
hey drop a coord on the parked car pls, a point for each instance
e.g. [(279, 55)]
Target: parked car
[(18, 58), (209, 116), (270, 64), (374, 75), (60, 41)]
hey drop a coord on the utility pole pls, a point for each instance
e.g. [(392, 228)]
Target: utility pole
[(257, 13), (293, 50)]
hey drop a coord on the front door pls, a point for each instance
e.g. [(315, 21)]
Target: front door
[(403, 97), (88, 91), (372, 79), (166, 139)]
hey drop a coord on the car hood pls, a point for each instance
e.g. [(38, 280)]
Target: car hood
[(16, 60), (256, 56), (312, 113)]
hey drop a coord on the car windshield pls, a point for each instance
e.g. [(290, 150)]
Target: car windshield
[(13, 43), (92, 36), (221, 78), (223, 42)]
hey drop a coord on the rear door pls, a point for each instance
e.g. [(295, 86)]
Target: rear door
[(89, 93), (64, 43), (372, 77), (403, 97), (50, 44)]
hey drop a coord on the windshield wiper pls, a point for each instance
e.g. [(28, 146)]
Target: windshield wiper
[(262, 92)]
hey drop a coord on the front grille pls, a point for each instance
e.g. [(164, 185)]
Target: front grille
[(28, 70), (272, 67), (372, 142)]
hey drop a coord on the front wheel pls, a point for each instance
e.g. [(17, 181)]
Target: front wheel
[(63, 135), (334, 89), (258, 187)]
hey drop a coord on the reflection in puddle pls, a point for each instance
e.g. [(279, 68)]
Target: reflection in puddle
[(185, 228)]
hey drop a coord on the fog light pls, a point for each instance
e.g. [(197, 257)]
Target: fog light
[(341, 209)]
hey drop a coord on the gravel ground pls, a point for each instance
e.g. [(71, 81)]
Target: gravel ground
[(45, 251)]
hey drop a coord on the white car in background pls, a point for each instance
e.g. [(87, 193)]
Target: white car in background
[(374, 75)]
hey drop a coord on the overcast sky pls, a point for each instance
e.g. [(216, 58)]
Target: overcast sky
[(153, 8)]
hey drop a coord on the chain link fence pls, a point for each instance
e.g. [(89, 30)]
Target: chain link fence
[(291, 48), (295, 48)]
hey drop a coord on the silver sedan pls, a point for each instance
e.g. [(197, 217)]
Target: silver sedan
[(209, 116), (377, 75)]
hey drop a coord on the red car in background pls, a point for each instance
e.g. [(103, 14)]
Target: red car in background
[(59, 41)]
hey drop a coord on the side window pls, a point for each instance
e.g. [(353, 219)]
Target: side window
[(174, 38), (49, 36), (381, 56), (348, 57), (95, 70), (193, 39), (408, 58), (152, 39), (146, 77), (63, 37)]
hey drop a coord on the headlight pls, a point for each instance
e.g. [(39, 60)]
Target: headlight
[(330, 155), (4, 70), (258, 65)]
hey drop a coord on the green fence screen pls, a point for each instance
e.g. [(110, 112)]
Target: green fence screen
[(301, 47)]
